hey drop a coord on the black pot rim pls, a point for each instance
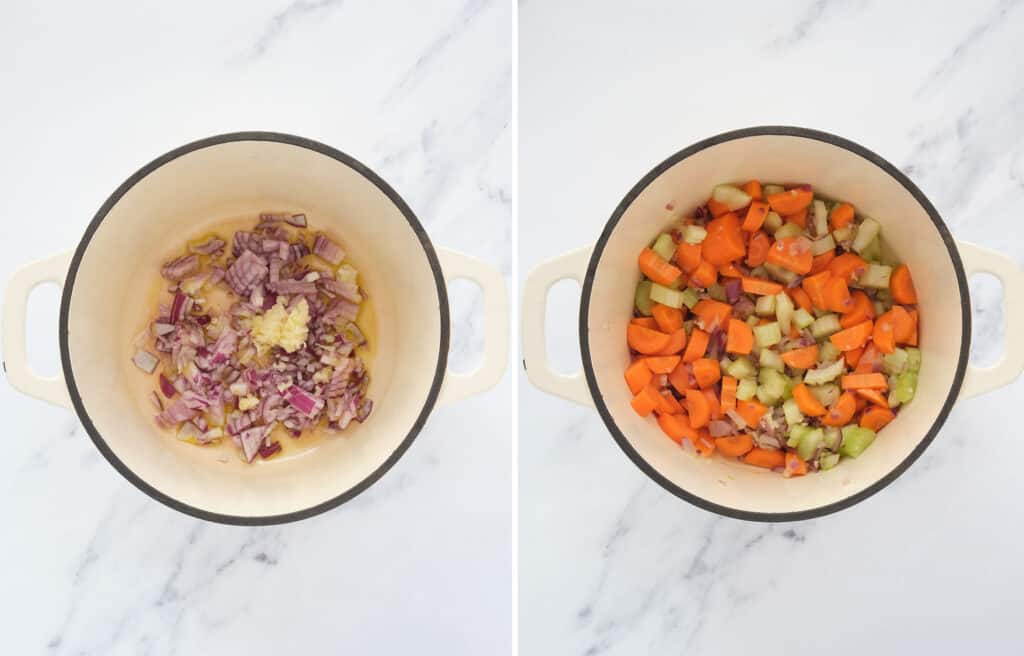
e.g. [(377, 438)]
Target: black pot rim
[(947, 405), (428, 404)]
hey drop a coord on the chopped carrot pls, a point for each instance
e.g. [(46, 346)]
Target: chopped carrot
[(714, 404), (767, 458), (676, 342), (874, 396), (707, 372), (705, 444), (913, 337), (697, 346), (735, 446), (753, 189), (717, 209), (870, 361), (761, 287), (863, 309), (757, 248), (822, 261), (876, 418), (751, 411), (799, 218), (902, 286), (793, 254), (698, 408), (704, 275), (680, 378), (801, 358), (646, 322), (638, 376), (646, 341), (712, 314), (663, 364), (791, 201), (837, 295), (740, 338), (728, 400), (729, 271), (677, 427), (848, 266), (801, 298), (724, 241), (646, 400), (871, 381), (815, 288), (884, 334), (656, 268), (807, 402), (669, 405), (853, 337), (853, 357), (842, 410), (795, 465), (756, 214), (841, 216), (688, 256), (669, 319), (861, 402), (903, 324)]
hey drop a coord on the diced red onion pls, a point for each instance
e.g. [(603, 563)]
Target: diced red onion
[(733, 289), (720, 428), (736, 419), (180, 268), (267, 451), (328, 250), (145, 361), (155, 398), (208, 247), (167, 387), (160, 329)]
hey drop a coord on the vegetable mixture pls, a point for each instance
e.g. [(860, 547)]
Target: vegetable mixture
[(259, 331), (771, 328)]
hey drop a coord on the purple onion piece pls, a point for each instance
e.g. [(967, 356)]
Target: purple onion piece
[(733, 289), (145, 361), (269, 450), (167, 387), (720, 428)]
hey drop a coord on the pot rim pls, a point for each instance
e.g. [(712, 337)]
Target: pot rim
[(428, 405), (892, 171)]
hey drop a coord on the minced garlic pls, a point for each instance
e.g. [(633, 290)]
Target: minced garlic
[(279, 327), (248, 402)]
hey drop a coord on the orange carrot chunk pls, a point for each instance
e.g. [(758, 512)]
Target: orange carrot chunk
[(705, 444), (876, 418), (707, 372), (767, 458), (902, 286), (751, 411), (716, 208), (795, 465), (842, 410), (807, 402), (801, 298), (853, 337), (676, 343), (798, 218), (791, 201), (729, 271), (662, 364), (724, 240), (814, 287), (735, 446), (848, 266), (697, 347), (753, 189), (712, 314), (903, 324), (698, 408), (680, 378), (756, 214), (841, 216), (837, 295), (792, 253), (668, 404), (729, 387), (638, 376), (646, 400), (870, 381), (870, 361), (884, 333), (757, 249), (646, 341), (761, 287), (688, 256), (863, 309), (669, 319), (801, 358), (646, 322), (740, 338), (704, 275), (822, 261), (657, 269), (874, 396)]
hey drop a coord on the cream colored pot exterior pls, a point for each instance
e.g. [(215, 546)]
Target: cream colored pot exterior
[(193, 188), (836, 168)]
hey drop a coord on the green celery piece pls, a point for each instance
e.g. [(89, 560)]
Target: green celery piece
[(690, 297), (824, 374), (784, 311), (741, 368), (856, 440), (895, 362), (826, 394), (788, 230), (906, 387), (809, 443), (802, 318), (913, 359), (771, 360), (694, 234), (828, 461), (767, 334), (643, 297), (772, 222), (765, 306), (792, 412), (717, 293), (746, 389), (796, 432), (828, 352), (664, 246), (867, 231), (825, 325), (666, 296)]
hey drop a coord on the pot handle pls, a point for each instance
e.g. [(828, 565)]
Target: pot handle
[(535, 298), (15, 362), (985, 379), (458, 386)]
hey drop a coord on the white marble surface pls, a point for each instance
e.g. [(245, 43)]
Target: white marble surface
[(421, 563), (610, 563)]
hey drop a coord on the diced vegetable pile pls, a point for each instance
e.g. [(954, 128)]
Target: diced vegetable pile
[(281, 351), (771, 328)]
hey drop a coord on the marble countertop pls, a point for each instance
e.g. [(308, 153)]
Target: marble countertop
[(612, 564), (423, 95)]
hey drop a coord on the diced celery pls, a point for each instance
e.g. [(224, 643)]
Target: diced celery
[(809, 443), (873, 251), (772, 222), (759, 272), (791, 382), (732, 197), (752, 320), (690, 297), (792, 412), (664, 246), (833, 438), (643, 297), (765, 395), (784, 311), (765, 306), (823, 245), (856, 440), (802, 318), (741, 368), (866, 233), (769, 189), (828, 352), (694, 234), (905, 387), (895, 362), (876, 276), (717, 292), (785, 276), (746, 389), (824, 374), (825, 325), (826, 394), (820, 218), (771, 360), (796, 432), (788, 230), (884, 295), (893, 401), (724, 364), (767, 334), (843, 234), (774, 383), (666, 296), (913, 359), (828, 461), (880, 308)]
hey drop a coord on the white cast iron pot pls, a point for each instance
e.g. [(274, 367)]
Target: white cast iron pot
[(170, 199), (838, 168)]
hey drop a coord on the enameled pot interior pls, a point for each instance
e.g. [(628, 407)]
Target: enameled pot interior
[(835, 172), (111, 300)]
